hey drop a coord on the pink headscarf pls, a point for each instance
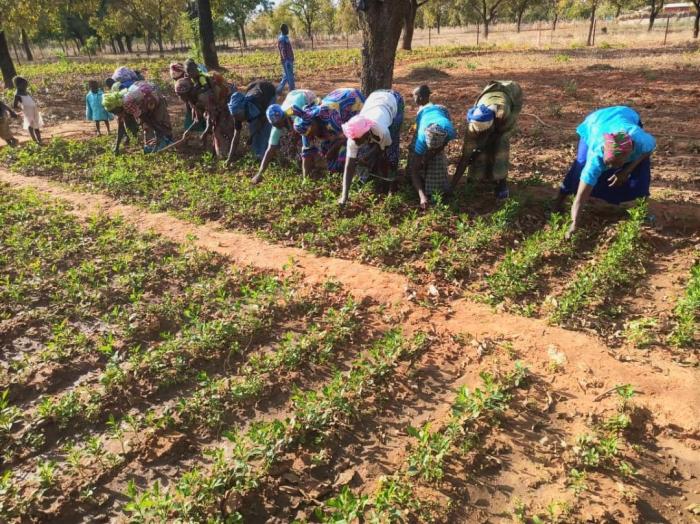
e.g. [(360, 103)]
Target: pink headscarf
[(617, 145), (357, 126)]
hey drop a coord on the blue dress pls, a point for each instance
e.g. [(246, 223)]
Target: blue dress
[(590, 167), (94, 110)]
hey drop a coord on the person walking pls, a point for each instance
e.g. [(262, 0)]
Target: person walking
[(287, 58)]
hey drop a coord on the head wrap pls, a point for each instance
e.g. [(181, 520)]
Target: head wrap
[(177, 70), (236, 103), (125, 76), (112, 100), (302, 124), (183, 86), (616, 146), (435, 136), (20, 82), (480, 118), (357, 127), (138, 97), (275, 114)]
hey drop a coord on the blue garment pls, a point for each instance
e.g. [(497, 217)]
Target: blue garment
[(637, 185), (259, 131), (285, 48), (94, 110), (287, 77), (432, 114), (611, 120)]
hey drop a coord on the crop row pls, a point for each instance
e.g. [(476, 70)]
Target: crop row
[(284, 207), (687, 312), (613, 266), (214, 494), (397, 497), (209, 406)]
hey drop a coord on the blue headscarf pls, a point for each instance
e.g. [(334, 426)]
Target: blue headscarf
[(236, 103), (305, 116), (481, 113), (275, 114)]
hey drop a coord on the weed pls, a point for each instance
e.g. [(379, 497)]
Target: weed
[(686, 312)]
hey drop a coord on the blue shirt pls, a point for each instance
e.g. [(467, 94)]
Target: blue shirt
[(432, 114), (611, 120), (94, 110)]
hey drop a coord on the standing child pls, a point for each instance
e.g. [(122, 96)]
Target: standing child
[(32, 117), (94, 110), (287, 57), (5, 133)]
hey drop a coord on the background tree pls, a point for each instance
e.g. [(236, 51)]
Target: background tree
[(348, 21), (655, 7), (409, 23), (486, 10), (696, 25), (381, 25), (238, 12), (517, 9), (436, 13), (308, 13)]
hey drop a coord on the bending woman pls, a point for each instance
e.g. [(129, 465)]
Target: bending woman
[(612, 163)]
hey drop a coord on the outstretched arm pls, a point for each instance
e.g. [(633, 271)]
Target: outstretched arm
[(582, 196), (270, 153), (416, 167), (348, 174), (234, 145)]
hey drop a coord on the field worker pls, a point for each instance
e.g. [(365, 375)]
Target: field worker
[(250, 107), (5, 114), (612, 163), (209, 106), (113, 101), (421, 95), (428, 161), (324, 124), (148, 106), (33, 122), (94, 110), (287, 58), (177, 72), (124, 78), (197, 73), (283, 139), (490, 125), (376, 130)]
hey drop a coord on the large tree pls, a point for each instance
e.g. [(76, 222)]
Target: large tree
[(206, 34), (696, 26), (381, 23)]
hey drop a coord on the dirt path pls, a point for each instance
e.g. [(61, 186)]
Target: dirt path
[(667, 388)]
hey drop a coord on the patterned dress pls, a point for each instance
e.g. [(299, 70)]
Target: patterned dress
[(147, 105), (333, 111)]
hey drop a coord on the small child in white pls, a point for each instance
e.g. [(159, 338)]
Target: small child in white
[(94, 110), (29, 110)]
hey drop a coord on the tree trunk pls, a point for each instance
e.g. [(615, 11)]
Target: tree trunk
[(554, 22), (14, 48), (618, 10), (486, 28), (129, 43), (161, 51), (243, 37), (696, 27), (591, 26), (520, 19), (656, 8), (113, 45), (381, 27), (206, 34), (25, 44), (6, 64), (409, 24)]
